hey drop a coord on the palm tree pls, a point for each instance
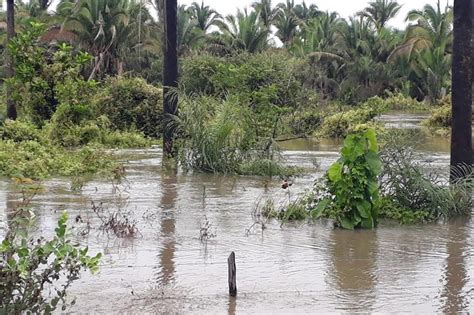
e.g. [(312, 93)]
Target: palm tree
[(318, 35), (305, 13), (244, 31), (189, 33), (379, 12), (170, 73), (461, 136), (205, 16), (266, 11), (11, 107), (433, 26), (432, 69), (286, 22), (107, 29)]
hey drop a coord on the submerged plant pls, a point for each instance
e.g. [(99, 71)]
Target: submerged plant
[(410, 182), (29, 268), (352, 183)]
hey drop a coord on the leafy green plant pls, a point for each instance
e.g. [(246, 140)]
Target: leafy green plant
[(31, 159), (340, 123), (352, 183), (440, 117), (131, 104), (31, 267), (17, 130), (47, 76)]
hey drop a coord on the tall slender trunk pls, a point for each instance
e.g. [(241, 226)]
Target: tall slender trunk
[(170, 73), (10, 71), (461, 136)]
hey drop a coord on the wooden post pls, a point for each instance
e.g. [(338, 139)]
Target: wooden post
[(232, 275)]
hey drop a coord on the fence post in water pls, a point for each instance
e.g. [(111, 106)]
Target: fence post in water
[(232, 275)]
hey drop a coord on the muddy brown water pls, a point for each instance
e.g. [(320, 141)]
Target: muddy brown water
[(298, 268)]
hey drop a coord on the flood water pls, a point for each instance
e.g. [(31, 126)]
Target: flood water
[(299, 268)]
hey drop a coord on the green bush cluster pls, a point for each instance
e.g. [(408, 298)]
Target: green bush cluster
[(352, 187), (393, 184), (258, 78), (71, 111), (409, 183), (304, 121), (31, 159), (440, 117), (17, 131), (131, 104), (339, 124)]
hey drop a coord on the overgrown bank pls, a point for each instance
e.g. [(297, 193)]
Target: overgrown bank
[(364, 185)]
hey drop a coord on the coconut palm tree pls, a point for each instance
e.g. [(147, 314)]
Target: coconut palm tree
[(244, 31), (318, 35), (189, 32), (286, 22), (266, 11), (170, 73), (433, 26), (461, 136), (205, 16), (305, 13), (379, 12), (106, 29), (432, 69), (11, 107)]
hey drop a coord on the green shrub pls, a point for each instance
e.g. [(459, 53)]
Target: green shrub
[(225, 137), (440, 117), (35, 274), (338, 125), (390, 209), (260, 79), (46, 76), (304, 121), (402, 102), (414, 185), (352, 183), (131, 104), (216, 140), (17, 130), (31, 159)]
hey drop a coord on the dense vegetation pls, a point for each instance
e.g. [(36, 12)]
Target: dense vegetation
[(82, 71), (86, 76)]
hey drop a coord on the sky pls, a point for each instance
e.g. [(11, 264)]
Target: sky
[(345, 8)]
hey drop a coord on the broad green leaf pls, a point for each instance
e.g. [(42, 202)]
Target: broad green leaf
[(373, 186), (347, 224), (372, 139), (368, 223), (335, 172), (374, 162), (363, 206), (317, 212)]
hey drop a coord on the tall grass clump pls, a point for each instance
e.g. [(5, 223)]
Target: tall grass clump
[(219, 136), (411, 183)]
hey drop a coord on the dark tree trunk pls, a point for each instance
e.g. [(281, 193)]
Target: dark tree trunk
[(10, 71), (461, 136), (170, 73)]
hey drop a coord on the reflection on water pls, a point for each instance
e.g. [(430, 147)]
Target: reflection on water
[(353, 268), (168, 226), (300, 268), (454, 298)]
